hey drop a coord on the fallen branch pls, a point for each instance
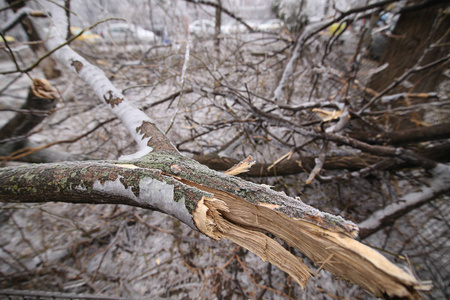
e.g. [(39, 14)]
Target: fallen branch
[(355, 162), (41, 100), (319, 161), (416, 135), (220, 206)]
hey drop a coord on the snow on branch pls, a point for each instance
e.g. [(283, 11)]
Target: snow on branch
[(439, 184)]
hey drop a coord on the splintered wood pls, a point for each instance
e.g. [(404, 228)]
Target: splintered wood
[(229, 216), (209, 220), (43, 89), (244, 212), (242, 167)]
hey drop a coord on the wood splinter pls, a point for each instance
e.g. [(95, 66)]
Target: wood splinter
[(209, 220), (241, 167), (244, 223)]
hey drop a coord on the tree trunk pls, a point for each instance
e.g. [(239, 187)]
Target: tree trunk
[(419, 39), (49, 65), (416, 30)]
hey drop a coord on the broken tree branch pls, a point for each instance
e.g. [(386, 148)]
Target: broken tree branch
[(41, 100), (355, 162), (220, 206), (311, 30), (405, 154)]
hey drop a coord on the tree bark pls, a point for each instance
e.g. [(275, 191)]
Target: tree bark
[(49, 65), (438, 153), (440, 184), (416, 135), (218, 25)]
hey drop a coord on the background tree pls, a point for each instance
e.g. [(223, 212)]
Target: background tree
[(420, 38), (420, 32)]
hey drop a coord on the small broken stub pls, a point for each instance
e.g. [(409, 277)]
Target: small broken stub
[(242, 167), (109, 99), (208, 219), (43, 89), (77, 65)]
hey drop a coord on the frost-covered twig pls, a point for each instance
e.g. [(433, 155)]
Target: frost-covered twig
[(415, 69), (289, 69), (54, 295), (319, 103), (405, 154), (392, 98), (222, 9), (182, 81), (320, 160), (311, 30), (383, 164)]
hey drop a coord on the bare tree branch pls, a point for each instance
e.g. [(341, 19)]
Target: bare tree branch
[(220, 206), (143, 130), (18, 16), (311, 30), (217, 204), (39, 294)]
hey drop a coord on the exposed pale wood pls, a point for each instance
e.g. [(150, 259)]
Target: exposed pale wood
[(241, 167), (221, 205), (232, 217), (208, 218)]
